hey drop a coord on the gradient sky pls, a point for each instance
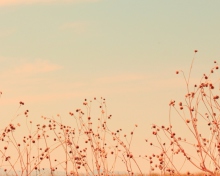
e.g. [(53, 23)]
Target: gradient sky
[(55, 53)]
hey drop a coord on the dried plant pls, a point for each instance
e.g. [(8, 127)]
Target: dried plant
[(86, 145), (200, 115)]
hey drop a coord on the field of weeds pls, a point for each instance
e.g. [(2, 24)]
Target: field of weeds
[(89, 146)]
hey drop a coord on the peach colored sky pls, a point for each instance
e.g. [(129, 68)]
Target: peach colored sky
[(55, 53)]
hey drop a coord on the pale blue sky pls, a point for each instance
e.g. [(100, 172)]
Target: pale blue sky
[(55, 54)]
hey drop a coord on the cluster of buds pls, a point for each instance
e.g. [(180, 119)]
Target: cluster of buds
[(70, 113), (172, 103), (21, 103), (26, 113)]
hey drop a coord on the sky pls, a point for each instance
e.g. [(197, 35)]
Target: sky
[(56, 53)]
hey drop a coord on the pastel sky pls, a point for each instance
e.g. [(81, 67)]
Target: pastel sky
[(55, 53)]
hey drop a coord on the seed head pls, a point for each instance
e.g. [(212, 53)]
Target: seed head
[(21, 103)]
